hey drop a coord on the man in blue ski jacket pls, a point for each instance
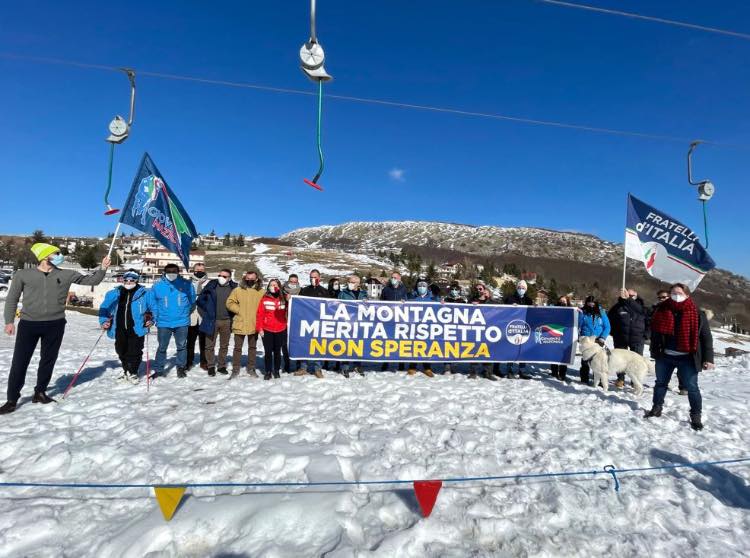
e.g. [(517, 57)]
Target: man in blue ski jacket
[(171, 300)]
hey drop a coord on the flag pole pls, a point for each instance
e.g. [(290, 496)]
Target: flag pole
[(114, 238), (624, 259)]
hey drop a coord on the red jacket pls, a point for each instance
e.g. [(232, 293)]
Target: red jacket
[(271, 314)]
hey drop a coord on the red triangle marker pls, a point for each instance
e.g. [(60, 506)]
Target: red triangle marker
[(427, 493)]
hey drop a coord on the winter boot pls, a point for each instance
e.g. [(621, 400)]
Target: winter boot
[(223, 370), (276, 375), (472, 374), (252, 373), (300, 372), (412, 371), (9, 407), (41, 397), (487, 374), (584, 377), (695, 421), (620, 384), (523, 374), (211, 371), (447, 370), (428, 372), (181, 373), (319, 373), (266, 376), (358, 370), (654, 412), (234, 374), (345, 373)]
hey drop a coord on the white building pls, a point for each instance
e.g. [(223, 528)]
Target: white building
[(154, 260)]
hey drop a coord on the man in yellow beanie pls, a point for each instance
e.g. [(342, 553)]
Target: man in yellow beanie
[(44, 289)]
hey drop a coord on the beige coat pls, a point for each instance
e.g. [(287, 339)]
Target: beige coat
[(243, 303)]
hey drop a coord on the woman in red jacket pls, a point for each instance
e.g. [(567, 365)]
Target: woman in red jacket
[(271, 325)]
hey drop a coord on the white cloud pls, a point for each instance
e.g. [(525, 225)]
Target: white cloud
[(397, 175)]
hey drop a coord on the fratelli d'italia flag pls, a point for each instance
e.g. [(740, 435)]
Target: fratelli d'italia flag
[(153, 208), (669, 250)]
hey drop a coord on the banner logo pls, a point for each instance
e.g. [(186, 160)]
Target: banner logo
[(517, 332), (549, 334)]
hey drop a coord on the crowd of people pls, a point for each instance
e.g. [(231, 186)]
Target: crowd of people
[(212, 311)]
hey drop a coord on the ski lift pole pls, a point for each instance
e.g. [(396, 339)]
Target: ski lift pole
[(320, 122), (706, 188), (313, 58)]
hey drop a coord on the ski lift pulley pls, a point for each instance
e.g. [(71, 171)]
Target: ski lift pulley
[(119, 130), (312, 57)]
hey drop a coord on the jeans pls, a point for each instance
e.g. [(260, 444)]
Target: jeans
[(164, 334), (688, 375), (316, 365), (29, 333)]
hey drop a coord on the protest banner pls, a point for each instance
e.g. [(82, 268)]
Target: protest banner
[(383, 331)]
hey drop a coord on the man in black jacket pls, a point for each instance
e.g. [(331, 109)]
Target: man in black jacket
[(519, 298), (314, 289), (628, 321)]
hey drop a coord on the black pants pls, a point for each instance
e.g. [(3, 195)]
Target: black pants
[(584, 371), (559, 371), (193, 334), (272, 346), (129, 348), (27, 337), (635, 346), (285, 355)]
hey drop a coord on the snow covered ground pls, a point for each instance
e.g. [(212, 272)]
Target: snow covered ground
[(382, 426)]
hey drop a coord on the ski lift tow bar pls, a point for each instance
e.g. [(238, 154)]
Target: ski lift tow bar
[(119, 130), (706, 189), (312, 56)]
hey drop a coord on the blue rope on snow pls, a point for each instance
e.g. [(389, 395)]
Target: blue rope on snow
[(609, 469)]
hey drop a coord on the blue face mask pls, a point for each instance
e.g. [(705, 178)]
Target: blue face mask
[(57, 260), (455, 293), (521, 292), (422, 290)]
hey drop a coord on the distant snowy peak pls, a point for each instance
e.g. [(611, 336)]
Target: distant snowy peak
[(385, 235)]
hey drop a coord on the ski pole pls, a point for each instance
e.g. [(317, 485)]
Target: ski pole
[(148, 363), (75, 376)]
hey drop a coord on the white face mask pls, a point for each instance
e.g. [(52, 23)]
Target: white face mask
[(455, 293), (170, 276), (353, 286), (394, 281), (678, 297), (336, 287), (129, 286), (521, 292), (223, 281)]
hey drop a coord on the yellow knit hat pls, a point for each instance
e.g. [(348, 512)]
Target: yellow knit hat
[(42, 250)]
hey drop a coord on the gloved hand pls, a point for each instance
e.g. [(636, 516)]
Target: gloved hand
[(148, 319), (600, 341)]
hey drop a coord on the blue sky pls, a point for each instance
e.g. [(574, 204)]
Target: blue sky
[(236, 157)]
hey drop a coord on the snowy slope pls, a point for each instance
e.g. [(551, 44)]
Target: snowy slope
[(383, 426)]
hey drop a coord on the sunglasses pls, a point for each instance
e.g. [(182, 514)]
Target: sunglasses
[(224, 276), (480, 289), (130, 280)]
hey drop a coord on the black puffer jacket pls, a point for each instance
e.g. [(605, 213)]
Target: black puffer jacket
[(524, 300), (627, 319)]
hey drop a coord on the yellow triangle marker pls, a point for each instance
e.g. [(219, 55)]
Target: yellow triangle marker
[(169, 498)]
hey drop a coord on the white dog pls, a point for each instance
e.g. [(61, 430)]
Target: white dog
[(619, 361)]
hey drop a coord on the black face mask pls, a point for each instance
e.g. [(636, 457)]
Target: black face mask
[(199, 274)]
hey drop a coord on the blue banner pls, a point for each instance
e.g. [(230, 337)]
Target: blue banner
[(669, 250), (324, 329), (153, 208)]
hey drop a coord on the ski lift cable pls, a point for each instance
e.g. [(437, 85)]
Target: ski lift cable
[(383, 102), (632, 15)]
